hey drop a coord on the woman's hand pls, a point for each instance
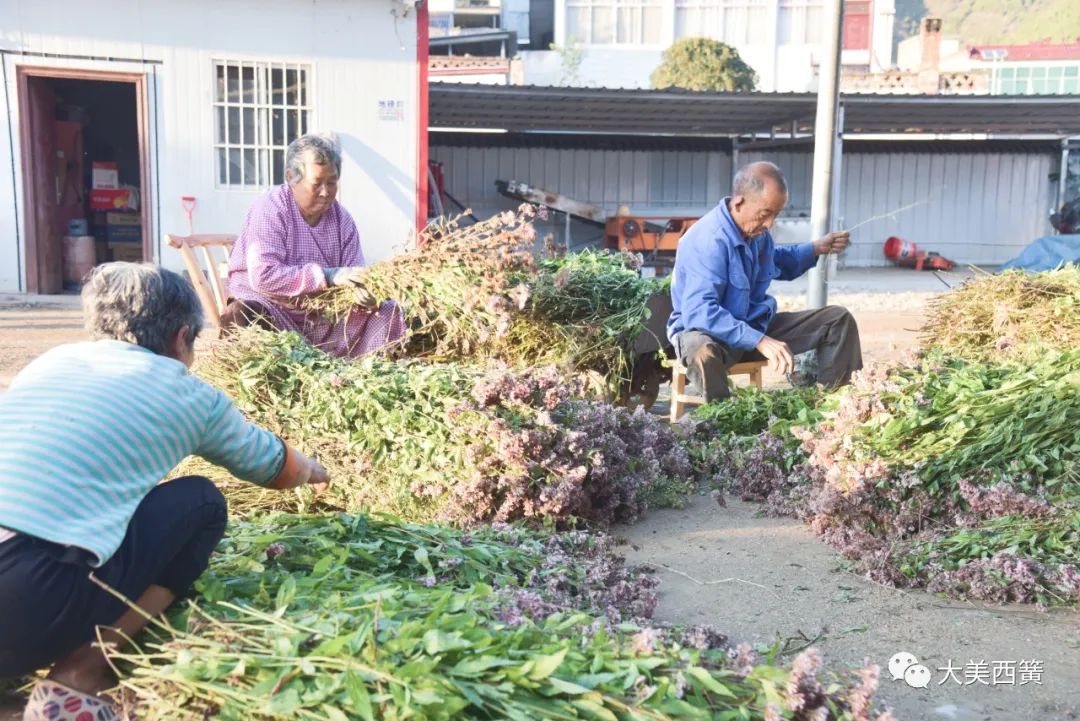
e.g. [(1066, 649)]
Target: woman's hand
[(319, 479), (353, 278)]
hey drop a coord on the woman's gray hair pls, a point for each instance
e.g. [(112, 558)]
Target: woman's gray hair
[(318, 148), (140, 303)]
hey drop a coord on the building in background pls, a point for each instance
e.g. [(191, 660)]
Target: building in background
[(478, 41), (948, 66), (111, 118), (618, 43), (531, 21), (623, 40)]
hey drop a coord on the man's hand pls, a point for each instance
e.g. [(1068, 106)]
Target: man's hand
[(352, 277), (319, 479), (778, 354), (832, 243)]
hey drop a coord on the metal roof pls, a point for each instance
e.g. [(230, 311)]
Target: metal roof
[(852, 144), (686, 113)]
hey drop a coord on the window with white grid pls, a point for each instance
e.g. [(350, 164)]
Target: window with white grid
[(614, 22), (801, 22), (259, 108), (735, 22)]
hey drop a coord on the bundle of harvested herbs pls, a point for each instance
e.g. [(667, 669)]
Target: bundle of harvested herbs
[(345, 618), (443, 441), (1010, 316), (954, 475), (751, 410), (913, 454), (475, 293), (584, 311)]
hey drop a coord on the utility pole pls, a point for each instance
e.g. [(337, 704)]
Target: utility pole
[(825, 135)]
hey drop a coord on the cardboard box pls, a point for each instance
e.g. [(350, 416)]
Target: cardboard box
[(104, 175), (104, 199), (126, 252), (123, 219), (124, 234)]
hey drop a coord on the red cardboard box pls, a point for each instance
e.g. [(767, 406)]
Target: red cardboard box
[(110, 199)]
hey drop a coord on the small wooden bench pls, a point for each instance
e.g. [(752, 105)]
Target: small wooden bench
[(208, 281), (680, 399)]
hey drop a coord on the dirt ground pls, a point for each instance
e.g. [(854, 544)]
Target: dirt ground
[(762, 580)]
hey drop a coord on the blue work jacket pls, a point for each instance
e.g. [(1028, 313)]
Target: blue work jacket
[(721, 280)]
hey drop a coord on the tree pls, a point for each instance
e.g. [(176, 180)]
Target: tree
[(570, 56), (703, 64)]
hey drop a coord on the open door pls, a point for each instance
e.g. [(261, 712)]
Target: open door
[(84, 160), (44, 260)]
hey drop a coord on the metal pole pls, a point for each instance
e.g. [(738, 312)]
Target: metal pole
[(1063, 176), (836, 214), (824, 146)]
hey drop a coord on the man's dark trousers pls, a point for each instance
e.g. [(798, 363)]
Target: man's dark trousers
[(831, 331)]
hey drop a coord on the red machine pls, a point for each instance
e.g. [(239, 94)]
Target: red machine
[(641, 234), (908, 255)]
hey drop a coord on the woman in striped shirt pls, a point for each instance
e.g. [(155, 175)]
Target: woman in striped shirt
[(87, 433)]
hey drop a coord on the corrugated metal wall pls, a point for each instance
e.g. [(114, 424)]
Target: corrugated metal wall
[(978, 208), (798, 167), (649, 181)]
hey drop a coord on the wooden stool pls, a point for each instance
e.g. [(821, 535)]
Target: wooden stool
[(679, 397), (209, 285)]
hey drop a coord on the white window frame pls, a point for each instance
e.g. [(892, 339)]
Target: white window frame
[(798, 13), (1026, 85), (726, 10), (267, 156), (635, 8)]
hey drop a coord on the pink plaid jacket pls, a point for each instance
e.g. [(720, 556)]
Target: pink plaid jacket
[(279, 258)]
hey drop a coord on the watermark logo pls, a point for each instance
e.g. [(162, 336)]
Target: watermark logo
[(904, 666)]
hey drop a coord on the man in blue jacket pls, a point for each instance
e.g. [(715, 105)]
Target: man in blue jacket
[(722, 311)]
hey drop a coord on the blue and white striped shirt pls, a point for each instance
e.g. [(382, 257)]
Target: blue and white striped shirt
[(88, 429)]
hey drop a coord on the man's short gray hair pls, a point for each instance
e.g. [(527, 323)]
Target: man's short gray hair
[(140, 303), (318, 148), (751, 179)]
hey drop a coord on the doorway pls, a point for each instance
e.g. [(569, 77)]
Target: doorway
[(85, 173)]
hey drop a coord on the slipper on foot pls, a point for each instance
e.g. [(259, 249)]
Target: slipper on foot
[(51, 701)]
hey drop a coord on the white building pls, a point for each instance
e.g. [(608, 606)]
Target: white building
[(198, 99), (1041, 68), (623, 40)]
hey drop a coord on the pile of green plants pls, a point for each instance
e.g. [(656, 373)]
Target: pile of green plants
[(348, 617), (445, 442), (475, 293), (584, 311), (956, 471), (751, 410), (943, 472)]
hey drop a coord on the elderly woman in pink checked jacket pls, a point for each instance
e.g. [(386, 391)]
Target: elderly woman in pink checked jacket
[(297, 241)]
